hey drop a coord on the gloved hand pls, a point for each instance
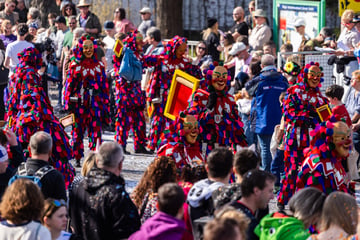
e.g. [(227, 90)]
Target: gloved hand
[(211, 100)]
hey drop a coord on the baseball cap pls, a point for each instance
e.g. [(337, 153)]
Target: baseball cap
[(237, 47), (299, 22), (145, 10), (108, 25), (60, 19)]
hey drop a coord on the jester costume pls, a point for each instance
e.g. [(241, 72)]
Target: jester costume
[(86, 95), (160, 81), (130, 101), (178, 147), (29, 110), (221, 123), (322, 167), (300, 117)]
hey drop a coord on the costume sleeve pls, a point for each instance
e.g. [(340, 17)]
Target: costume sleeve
[(17, 155), (71, 84)]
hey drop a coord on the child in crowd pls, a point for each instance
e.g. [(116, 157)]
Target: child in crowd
[(167, 223)]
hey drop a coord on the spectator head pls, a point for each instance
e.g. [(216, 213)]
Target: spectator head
[(55, 215), (51, 19), (171, 198), (239, 50), (154, 35), (270, 48), (72, 23), (334, 92), (33, 13), (254, 68), (10, 6), (109, 28), (259, 16), (242, 220), (33, 27), (325, 32), (300, 25), (306, 205), (211, 22), (22, 202), (228, 39), (251, 6), (340, 210), (88, 163), (347, 17), (84, 6), (222, 229), (145, 13), (6, 27), (4, 159), (193, 174), (111, 157), (20, 5), (245, 160), (244, 39), (60, 23), (201, 49), (122, 13), (219, 163), (67, 8), (22, 29), (40, 144), (238, 14), (258, 186), (267, 60), (162, 171), (355, 80)]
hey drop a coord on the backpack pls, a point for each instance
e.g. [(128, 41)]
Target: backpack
[(22, 172)]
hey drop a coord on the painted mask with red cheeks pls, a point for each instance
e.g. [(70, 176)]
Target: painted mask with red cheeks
[(219, 78), (342, 139), (191, 129), (180, 51), (314, 75), (88, 48)]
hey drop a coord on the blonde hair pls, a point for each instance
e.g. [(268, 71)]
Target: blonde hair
[(206, 33), (347, 16), (89, 163), (4, 23), (340, 209)]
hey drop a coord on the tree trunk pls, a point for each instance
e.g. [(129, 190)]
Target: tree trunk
[(45, 7), (169, 17)]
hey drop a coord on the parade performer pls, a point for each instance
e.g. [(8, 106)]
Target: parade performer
[(29, 110), (86, 94), (183, 142), (217, 111), (130, 99), (300, 117), (165, 64), (322, 167)]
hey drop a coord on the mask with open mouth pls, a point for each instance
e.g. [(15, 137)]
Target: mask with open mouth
[(219, 78), (342, 139), (191, 129)]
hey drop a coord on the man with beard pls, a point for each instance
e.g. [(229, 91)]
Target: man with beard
[(240, 27)]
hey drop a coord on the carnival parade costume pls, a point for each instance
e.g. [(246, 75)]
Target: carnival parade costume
[(157, 93), (300, 117), (322, 167), (182, 142), (29, 110), (218, 113), (86, 94), (130, 100)]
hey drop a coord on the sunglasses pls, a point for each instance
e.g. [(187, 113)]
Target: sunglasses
[(57, 203), (202, 48)]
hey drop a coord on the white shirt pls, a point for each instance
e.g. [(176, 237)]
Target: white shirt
[(30, 231), (109, 52), (12, 51)]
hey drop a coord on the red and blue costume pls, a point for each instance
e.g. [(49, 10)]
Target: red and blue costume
[(300, 117), (29, 110), (130, 103), (86, 94), (160, 81), (322, 168), (221, 125)]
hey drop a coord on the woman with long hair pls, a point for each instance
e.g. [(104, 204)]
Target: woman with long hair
[(201, 54), (211, 36), (122, 25)]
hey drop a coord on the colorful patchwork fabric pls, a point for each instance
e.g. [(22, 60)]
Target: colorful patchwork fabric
[(29, 110), (321, 168), (220, 126), (300, 117), (130, 102), (86, 94), (160, 81)]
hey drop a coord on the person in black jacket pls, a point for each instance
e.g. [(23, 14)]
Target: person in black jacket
[(99, 206), (52, 183), (211, 36)]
